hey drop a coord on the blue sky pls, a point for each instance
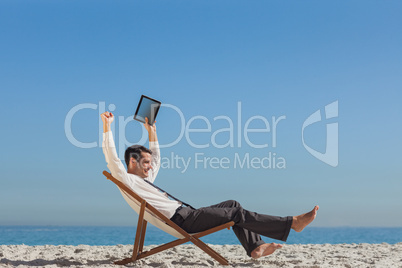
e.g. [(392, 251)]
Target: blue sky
[(276, 58)]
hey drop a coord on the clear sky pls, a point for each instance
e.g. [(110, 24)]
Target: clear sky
[(211, 61)]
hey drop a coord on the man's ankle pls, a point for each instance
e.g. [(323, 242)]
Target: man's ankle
[(294, 222)]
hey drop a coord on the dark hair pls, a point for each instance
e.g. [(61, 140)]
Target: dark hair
[(135, 152)]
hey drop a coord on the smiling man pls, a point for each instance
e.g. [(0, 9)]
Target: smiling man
[(138, 154), (142, 167)]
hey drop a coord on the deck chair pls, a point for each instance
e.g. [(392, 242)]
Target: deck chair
[(148, 213)]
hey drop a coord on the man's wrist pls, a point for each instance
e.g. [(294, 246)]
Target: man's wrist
[(106, 128), (152, 136)]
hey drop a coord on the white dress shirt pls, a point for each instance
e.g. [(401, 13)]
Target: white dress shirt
[(153, 196)]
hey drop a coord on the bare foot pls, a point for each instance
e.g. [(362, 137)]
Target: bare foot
[(264, 250), (301, 221)]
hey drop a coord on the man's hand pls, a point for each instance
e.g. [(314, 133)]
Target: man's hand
[(107, 119), (151, 130)]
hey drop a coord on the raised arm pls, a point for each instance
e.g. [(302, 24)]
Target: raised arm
[(114, 164), (154, 147), (151, 131)]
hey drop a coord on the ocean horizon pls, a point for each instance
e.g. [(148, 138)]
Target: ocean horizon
[(115, 235)]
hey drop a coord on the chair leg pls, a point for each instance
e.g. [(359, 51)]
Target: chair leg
[(144, 229), (209, 251), (139, 237), (163, 247)]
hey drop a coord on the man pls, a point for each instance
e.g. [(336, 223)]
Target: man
[(143, 165)]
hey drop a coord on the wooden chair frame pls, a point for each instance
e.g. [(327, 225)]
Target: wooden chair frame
[(138, 252)]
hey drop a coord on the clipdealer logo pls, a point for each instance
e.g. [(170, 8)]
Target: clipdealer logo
[(270, 159), (330, 156)]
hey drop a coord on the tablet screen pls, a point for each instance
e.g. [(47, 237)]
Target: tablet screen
[(147, 107)]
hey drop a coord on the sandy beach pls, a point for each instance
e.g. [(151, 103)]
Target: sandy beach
[(310, 255)]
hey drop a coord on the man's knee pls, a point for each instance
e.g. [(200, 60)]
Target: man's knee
[(234, 203)]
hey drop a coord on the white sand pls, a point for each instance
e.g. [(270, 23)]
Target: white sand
[(342, 255)]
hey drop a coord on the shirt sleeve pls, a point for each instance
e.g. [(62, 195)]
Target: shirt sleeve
[(114, 164), (156, 160)]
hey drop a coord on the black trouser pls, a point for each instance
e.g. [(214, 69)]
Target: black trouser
[(248, 225)]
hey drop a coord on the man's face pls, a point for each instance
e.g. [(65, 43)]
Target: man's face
[(142, 167)]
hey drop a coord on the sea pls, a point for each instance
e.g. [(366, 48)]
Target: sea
[(108, 235)]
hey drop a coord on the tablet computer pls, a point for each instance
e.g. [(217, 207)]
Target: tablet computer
[(147, 107)]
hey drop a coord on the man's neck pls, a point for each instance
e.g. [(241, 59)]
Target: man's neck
[(129, 171)]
